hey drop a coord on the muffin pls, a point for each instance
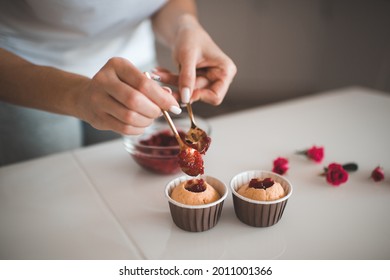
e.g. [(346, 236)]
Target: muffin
[(195, 192), (263, 204), (199, 208), (265, 189)]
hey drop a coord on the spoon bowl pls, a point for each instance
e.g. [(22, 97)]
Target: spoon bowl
[(196, 137), (190, 160)]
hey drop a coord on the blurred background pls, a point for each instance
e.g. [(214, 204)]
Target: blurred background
[(285, 49)]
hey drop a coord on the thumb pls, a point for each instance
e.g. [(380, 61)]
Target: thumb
[(187, 77)]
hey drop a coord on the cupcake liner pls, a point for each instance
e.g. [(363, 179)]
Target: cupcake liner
[(196, 218), (254, 212)]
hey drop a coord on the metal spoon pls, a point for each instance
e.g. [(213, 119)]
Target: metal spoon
[(196, 137), (190, 160)]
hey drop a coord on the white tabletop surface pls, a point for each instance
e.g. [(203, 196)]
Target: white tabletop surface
[(97, 203)]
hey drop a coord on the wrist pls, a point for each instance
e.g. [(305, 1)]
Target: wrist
[(186, 21), (74, 99)]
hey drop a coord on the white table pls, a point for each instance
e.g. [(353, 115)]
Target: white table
[(96, 203)]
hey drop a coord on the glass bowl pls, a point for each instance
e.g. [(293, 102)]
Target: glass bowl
[(156, 149)]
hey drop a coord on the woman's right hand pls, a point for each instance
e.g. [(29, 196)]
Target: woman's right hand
[(122, 99)]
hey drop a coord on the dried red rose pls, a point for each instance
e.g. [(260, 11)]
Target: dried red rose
[(314, 153), (280, 165), (337, 174), (377, 174)]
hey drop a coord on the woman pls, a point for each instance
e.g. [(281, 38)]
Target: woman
[(63, 61)]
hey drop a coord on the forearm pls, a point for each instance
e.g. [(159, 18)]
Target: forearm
[(174, 15), (40, 87)]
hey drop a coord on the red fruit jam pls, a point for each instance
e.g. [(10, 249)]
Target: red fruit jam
[(202, 145), (261, 184), (195, 185), (159, 153), (191, 162), (163, 138)]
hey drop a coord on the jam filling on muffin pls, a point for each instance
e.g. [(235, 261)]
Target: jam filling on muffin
[(195, 191), (195, 185), (261, 184)]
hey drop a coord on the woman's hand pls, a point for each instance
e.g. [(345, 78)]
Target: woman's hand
[(205, 72), (121, 98)]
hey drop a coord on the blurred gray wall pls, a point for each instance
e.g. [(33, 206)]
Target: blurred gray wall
[(288, 48)]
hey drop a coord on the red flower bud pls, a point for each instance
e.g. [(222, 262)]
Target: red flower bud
[(336, 174), (315, 153), (280, 165), (377, 174)]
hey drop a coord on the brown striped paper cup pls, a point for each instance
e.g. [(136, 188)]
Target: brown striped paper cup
[(196, 218), (254, 212)]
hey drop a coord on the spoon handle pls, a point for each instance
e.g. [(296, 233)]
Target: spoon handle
[(173, 128), (191, 114), (170, 122)]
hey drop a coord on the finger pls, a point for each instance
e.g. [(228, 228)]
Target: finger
[(123, 128), (168, 78), (131, 99), (108, 122), (129, 116), (187, 77), (156, 93), (214, 94), (159, 69), (135, 79), (219, 80)]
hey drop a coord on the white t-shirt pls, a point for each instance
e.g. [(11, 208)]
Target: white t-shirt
[(78, 35)]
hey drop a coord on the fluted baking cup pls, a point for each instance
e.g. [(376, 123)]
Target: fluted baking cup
[(254, 212), (196, 218)]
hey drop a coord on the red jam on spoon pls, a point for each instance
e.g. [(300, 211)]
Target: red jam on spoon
[(191, 162), (202, 144)]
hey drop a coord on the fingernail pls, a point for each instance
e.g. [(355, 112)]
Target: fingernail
[(155, 77), (147, 75), (174, 109), (168, 89), (185, 95)]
